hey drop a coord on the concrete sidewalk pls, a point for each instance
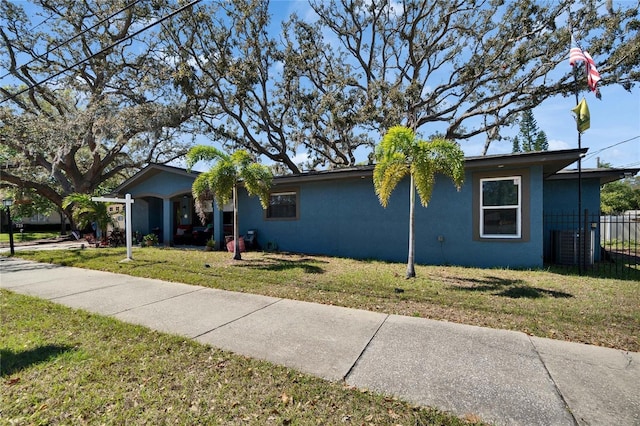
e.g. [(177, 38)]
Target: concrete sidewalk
[(503, 377)]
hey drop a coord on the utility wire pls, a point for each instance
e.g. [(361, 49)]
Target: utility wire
[(57, 46), (153, 24), (593, 154), (631, 165)]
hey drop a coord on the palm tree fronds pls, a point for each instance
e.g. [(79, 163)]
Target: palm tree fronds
[(257, 180), (387, 174), (423, 179), (448, 159), (222, 178), (202, 193), (86, 211), (398, 139), (203, 153), (241, 159), (400, 153)]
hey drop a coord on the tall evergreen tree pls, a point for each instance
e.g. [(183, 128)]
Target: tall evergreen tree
[(530, 138), (542, 143)]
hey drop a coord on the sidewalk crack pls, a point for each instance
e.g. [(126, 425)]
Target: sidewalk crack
[(555, 385), (153, 302), (237, 319), (359, 357)]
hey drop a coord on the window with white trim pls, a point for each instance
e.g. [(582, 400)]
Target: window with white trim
[(501, 207), (283, 205)]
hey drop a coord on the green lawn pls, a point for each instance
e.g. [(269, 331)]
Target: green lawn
[(61, 366), (592, 310), (27, 236)]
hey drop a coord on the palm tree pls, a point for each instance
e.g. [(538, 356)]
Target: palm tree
[(400, 154), (221, 181), (86, 211)]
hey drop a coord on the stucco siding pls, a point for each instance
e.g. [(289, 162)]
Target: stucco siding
[(561, 211), (140, 216), (561, 196), (163, 185), (344, 218)]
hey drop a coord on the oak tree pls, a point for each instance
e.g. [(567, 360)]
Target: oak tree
[(86, 95)]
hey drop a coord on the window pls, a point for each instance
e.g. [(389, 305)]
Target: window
[(500, 207), (283, 205)]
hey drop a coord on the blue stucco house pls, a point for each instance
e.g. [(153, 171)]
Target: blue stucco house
[(497, 219)]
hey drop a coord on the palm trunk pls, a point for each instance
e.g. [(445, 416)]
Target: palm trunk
[(236, 237), (411, 272)]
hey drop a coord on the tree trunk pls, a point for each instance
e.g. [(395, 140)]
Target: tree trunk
[(236, 237), (411, 272), (63, 222)]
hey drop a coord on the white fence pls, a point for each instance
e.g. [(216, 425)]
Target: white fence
[(621, 229)]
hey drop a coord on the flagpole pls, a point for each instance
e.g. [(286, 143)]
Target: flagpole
[(581, 232)]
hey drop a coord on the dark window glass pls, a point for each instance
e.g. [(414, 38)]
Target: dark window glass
[(499, 193), (282, 205), (501, 222)]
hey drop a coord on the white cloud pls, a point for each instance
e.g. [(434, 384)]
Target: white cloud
[(555, 144)]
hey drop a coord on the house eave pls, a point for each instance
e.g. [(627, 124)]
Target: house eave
[(551, 161), (150, 171), (346, 173), (604, 175)]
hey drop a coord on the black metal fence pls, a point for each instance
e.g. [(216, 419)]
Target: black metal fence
[(593, 244)]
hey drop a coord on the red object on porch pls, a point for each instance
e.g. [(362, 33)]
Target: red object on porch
[(231, 243)]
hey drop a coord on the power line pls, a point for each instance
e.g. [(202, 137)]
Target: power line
[(593, 154), (631, 165), (153, 24), (57, 46)]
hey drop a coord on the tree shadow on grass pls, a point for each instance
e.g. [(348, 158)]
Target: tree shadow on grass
[(515, 289), (145, 263), (12, 362), (520, 292), (308, 265), (485, 284)]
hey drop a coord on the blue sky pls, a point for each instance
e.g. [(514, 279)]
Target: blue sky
[(614, 119)]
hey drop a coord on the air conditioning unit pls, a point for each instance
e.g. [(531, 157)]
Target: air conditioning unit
[(568, 244)]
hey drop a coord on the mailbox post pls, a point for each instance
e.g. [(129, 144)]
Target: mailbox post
[(127, 217)]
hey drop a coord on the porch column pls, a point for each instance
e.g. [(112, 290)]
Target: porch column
[(167, 238), (218, 226)]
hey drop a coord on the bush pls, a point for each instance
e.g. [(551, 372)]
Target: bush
[(150, 239)]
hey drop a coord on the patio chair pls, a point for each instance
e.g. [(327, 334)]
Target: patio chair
[(251, 239)]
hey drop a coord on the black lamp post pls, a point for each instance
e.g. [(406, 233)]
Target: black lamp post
[(8, 203)]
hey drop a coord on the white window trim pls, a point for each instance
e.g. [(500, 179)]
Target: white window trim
[(518, 208)]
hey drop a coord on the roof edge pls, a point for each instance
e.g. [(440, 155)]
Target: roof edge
[(605, 175)]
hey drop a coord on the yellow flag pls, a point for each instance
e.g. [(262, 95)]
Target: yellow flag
[(582, 115)]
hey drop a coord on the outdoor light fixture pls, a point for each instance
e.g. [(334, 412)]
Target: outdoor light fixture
[(7, 203)]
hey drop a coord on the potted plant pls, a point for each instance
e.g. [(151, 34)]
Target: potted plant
[(150, 239), (210, 245)]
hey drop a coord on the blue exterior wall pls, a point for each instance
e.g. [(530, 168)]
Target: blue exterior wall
[(152, 208), (561, 196), (561, 210), (163, 184), (344, 218)]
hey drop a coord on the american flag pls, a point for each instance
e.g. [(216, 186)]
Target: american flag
[(593, 76), (578, 55), (575, 54)]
